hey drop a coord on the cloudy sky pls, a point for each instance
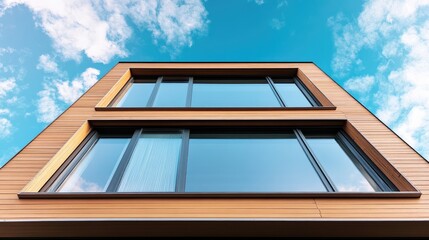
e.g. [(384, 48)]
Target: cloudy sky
[(53, 51)]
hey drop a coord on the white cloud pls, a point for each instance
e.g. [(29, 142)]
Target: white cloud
[(6, 86), (47, 64), (259, 2), (360, 84), (346, 44), (277, 24), (70, 91), (5, 111), (6, 50), (390, 49), (46, 105), (59, 93), (12, 100), (5, 127), (170, 21), (399, 32), (99, 29), (282, 3)]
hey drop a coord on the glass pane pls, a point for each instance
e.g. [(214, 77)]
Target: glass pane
[(338, 165), (171, 94), (153, 164), (96, 168), (233, 93), (249, 163), (292, 95), (137, 95)]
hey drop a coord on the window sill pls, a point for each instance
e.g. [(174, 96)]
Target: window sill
[(85, 195), (213, 108)]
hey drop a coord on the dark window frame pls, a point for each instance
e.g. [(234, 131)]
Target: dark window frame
[(150, 104), (371, 172)]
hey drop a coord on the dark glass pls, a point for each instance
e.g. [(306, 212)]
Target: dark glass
[(96, 168), (137, 95), (249, 163), (339, 166), (171, 94), (233, 93)]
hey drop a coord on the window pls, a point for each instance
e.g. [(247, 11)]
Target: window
[(233, 93), (96, 167), (207, 160), (137, 94), (172, 93), (249, 162), (214, 92), (293, 93)]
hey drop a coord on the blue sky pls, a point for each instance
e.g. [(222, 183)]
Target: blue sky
[(52, 51)]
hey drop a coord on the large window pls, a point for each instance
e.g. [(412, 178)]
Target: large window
[(233, 93), (214, 92), (208, 160), (136, 94)]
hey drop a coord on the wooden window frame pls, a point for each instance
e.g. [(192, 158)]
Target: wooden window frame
[(35, 189), (310, 91)]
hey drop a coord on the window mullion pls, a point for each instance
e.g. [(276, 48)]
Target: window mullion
[(154, 92), (189, 94), (306, 93), (316, 164), (183, 163), (120, 170), (373, 178), (273, 87)]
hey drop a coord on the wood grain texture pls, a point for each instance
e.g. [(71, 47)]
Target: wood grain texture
[(40, 154), (114, 91), (56, 161)]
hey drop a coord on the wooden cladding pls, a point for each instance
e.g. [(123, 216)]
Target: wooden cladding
[(114, 91), (55, 162), (377, 142)]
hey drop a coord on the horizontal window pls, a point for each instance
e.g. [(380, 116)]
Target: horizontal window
[(221, 92), (220, 161)]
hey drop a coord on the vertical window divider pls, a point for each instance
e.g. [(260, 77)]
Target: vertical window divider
[(189, 94), (306, 93), (374, 177), (154, 92), (183, 162), (120, 170), (273, 87), (313, 160)]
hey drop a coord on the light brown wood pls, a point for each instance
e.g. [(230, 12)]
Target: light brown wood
[(56, 161), (40, 159), (108, 98)]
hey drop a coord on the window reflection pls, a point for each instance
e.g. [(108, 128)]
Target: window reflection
[(339, 166), (233, 93), (94, 171), (249, 163)]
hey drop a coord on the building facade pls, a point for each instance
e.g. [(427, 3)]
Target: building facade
[(215, 149)]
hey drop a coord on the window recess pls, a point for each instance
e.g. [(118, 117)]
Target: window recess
[(219, 161), (214, 92)]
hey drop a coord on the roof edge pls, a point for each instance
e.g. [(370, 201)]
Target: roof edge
[(212, 62)]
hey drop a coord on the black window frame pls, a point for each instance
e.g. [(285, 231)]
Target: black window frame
[(370, 171), (314, 102)]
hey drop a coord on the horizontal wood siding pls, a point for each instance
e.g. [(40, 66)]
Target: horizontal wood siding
[(16, 174)]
